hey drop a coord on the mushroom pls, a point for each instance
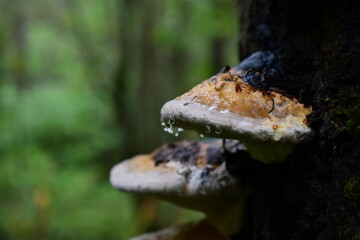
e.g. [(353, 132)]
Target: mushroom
[(190, 174), (270, 124)]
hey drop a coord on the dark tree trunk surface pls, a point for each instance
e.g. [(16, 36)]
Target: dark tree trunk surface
[(315, 194)]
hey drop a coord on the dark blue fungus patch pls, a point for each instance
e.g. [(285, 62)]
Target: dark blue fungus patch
[(261, 70), (186, 153)]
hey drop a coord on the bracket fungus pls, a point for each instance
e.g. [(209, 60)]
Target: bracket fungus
[(269, 123), (190, 174)]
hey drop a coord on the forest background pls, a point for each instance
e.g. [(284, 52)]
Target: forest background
[(81, 87)]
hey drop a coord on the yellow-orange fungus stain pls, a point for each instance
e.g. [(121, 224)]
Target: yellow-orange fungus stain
[(225, 91)]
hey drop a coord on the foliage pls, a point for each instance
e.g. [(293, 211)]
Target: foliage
[(59, 123), (352, 189), (353, 123), (349, 110), (350, 227)]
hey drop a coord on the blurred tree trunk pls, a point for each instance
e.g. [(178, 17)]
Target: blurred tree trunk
[(172, 60), (149, 83), (144, 73), (2, 48), (80, 33), (19, 37), (315, 194), (218, 48), (136, 81), (123, 102)]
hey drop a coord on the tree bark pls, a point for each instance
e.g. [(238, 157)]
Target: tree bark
[(19, 37), (313, 53)]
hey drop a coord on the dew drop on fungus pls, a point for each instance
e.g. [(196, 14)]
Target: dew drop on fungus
[(172, 121), (212, 108), (177, 131), (224, 111), (169, 129), (168, 126), (207, 129), (217, 130)]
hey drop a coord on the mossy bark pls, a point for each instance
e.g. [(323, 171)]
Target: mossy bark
[(316, 49)]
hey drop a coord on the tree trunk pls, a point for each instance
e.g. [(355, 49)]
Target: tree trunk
[(310, 49), (19, 36), (125, 115)]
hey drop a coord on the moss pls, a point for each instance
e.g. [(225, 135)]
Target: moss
[(353, 122), (352, 189), (350, 228), (356, 236), (348, 109)]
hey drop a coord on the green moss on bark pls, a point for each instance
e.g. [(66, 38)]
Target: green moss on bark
[(351, 227), (353, 122), (352, 190)]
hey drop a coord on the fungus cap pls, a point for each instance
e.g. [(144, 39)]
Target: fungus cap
[(224, 106), (190, 174)]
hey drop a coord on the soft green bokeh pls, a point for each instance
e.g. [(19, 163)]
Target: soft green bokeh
[(59, 125)]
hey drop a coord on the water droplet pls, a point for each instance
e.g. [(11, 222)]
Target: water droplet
[(217, 130), (177, 131), (167, 124), (207, 129), (169, 129), (171, 121), (224, 111)]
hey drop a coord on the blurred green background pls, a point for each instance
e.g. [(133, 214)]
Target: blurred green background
[(81, 86)]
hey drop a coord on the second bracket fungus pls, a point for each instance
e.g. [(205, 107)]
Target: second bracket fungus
[(189, 174), (269, 123)]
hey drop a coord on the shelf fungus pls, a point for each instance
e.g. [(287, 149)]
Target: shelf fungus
[(269, 123), (190, 174)]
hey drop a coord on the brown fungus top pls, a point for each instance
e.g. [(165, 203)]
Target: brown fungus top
[(229, 92), (269, 123), (190, 174), (183, 169)]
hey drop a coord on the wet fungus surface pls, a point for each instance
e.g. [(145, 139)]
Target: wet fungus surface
[(183, 169), (270, 123), (184, 152), (214, 176), (190, 174)]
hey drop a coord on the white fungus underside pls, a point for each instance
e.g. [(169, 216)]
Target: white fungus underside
[(264, 141), (173, 179), (218, 194), (125, 178)]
